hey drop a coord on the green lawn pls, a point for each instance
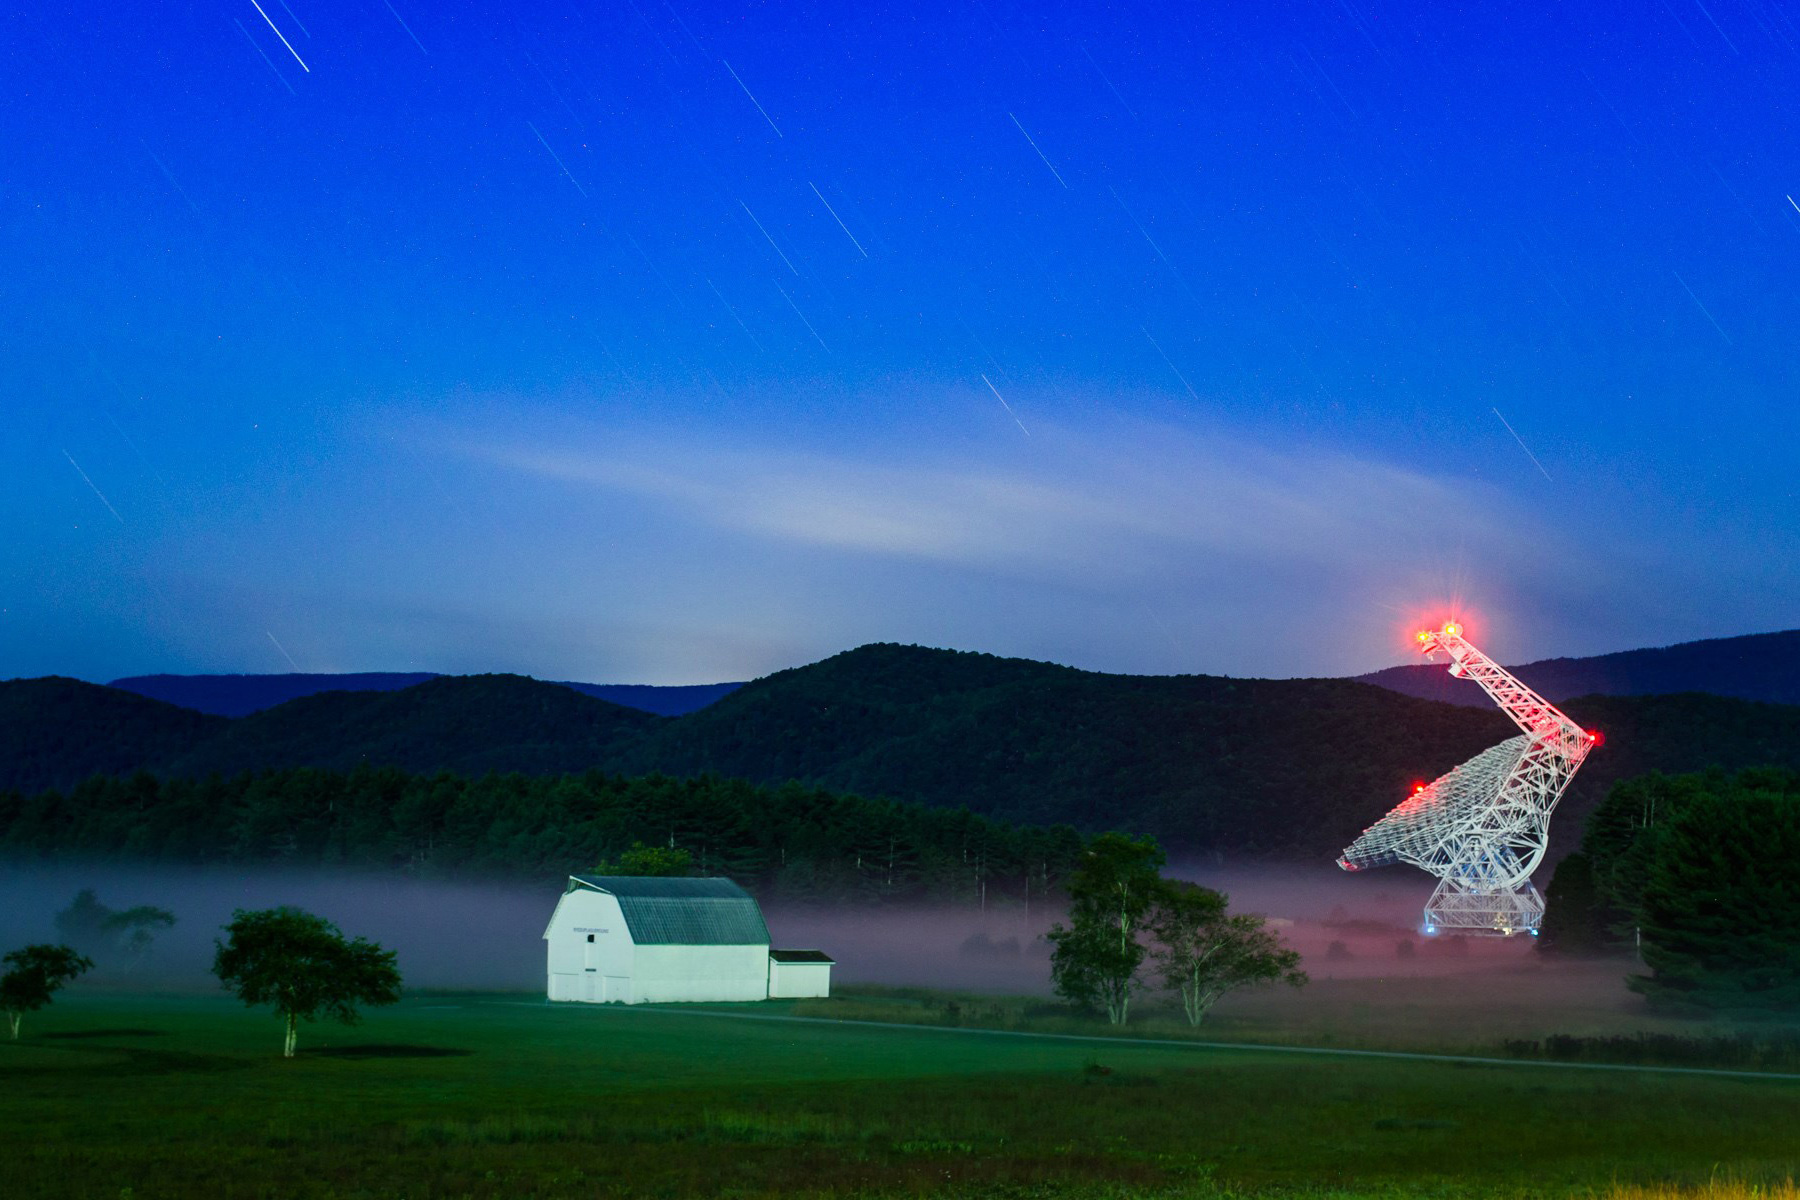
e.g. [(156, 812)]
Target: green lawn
[(450, 1096)]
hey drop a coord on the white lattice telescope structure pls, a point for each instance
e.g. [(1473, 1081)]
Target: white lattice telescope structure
[(1483, 827)]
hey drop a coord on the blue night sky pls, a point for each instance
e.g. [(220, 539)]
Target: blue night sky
[(674, 342)]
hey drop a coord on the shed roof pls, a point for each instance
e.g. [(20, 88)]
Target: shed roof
[(664, 911), (801, 956)]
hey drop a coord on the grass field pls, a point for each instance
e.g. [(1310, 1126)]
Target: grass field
[(495, 1095)]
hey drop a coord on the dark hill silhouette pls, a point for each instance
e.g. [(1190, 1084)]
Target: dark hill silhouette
[(469, 724), (1257, 766), (665, 700), (1757, 667), (1761, 666), (55, 732), (1686, 732), (1281, 767), (241, 695), (1277, 768)]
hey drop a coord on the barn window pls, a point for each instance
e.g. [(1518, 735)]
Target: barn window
[(590, 937)]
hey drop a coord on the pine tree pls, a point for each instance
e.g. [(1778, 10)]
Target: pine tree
[(1720, 908), (1572, 922)]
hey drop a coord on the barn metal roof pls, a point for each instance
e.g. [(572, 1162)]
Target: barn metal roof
[(663, 911)]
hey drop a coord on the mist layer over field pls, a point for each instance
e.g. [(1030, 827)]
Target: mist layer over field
[(446, 934), (483, 935)]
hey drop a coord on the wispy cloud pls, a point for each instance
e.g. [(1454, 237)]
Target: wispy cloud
[(1115, 544), (1080, 508)]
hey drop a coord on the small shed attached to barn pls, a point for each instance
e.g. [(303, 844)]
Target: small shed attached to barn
[(798, 973), (631, 939)]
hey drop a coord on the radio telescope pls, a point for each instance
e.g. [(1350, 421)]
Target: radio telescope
[(1483, 827)]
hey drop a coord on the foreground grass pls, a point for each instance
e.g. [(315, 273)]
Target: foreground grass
[(1341, 1015), (1472, 1011), (485, 1096), (1712, 1189)]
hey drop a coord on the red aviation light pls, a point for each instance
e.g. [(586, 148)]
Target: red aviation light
[(1453, 629), (1417, 788), (1596, 738)]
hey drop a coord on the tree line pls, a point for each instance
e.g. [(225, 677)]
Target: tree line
[(1698, 874), (789, 842), (1266, 768)]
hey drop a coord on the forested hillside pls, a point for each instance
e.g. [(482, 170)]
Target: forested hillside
[(55, 732), (1286, 768), (1250, 766), (465, 723), (790, 842), (1268, 768)]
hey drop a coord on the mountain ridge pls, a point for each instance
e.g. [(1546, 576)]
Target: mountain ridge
[(1757, 666), (469, 724), (242, 695), (1269, 768)]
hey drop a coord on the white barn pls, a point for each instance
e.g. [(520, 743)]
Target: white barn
[(629, 939)]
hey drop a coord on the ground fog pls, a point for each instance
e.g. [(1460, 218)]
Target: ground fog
[(483, 935)]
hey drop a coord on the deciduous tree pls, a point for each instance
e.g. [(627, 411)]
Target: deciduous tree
[(1097, 954), (111, 934), (304, 966), (1202, 950), (34, 975), (134, 930), (82, 925), (649, 860)]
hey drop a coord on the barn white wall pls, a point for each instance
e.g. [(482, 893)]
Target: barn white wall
[(596, 972), (667, 973), (612, 969), (796, 980)]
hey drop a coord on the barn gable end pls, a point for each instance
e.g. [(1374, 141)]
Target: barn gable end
[(646, 939)]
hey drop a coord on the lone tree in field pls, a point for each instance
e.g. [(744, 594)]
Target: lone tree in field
[(33, 976), (1203, 951), (304, 966), (1098, 953)]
